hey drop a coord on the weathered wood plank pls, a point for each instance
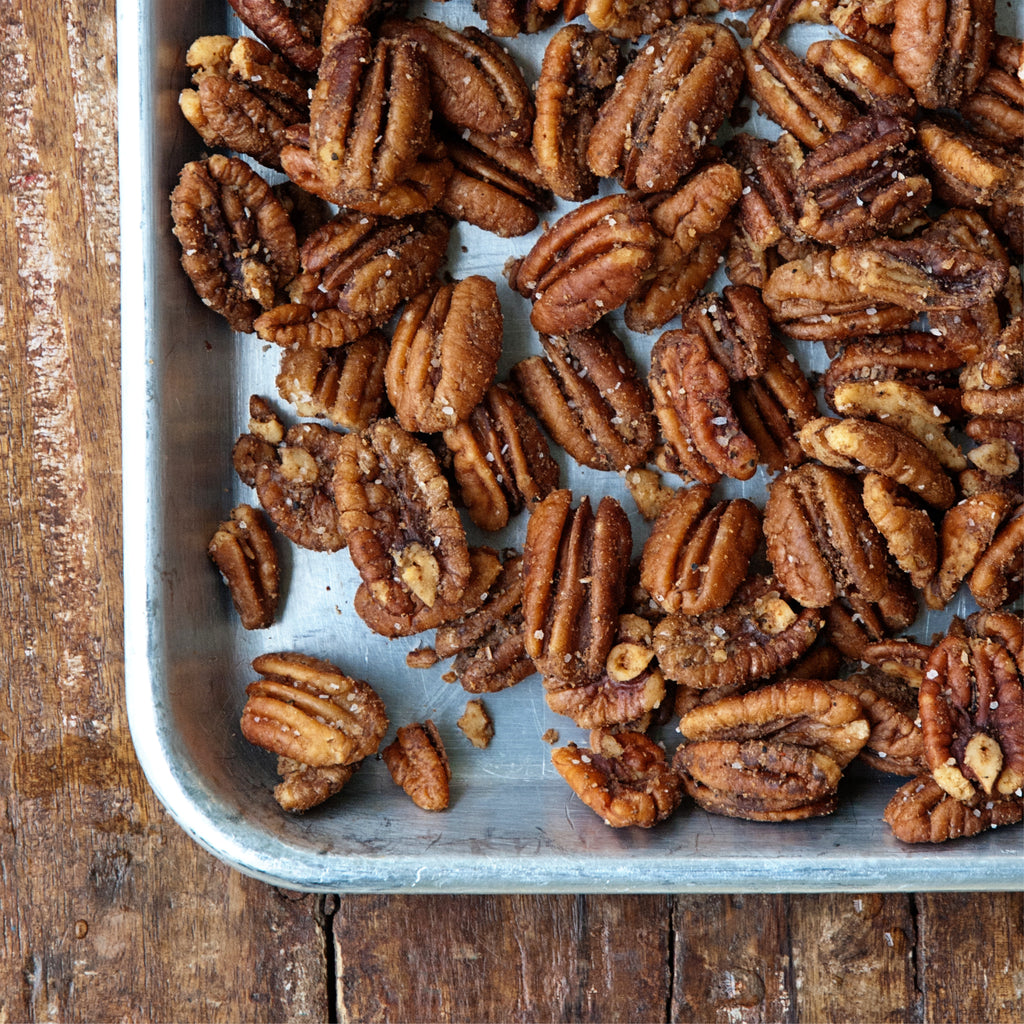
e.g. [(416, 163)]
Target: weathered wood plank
[(502, 958)]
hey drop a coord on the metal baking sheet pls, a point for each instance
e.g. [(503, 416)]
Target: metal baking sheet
[(513, 824)]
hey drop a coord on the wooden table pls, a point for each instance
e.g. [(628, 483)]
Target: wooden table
[(111, 913)]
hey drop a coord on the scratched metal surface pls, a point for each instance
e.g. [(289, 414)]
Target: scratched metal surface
[(513, 825)]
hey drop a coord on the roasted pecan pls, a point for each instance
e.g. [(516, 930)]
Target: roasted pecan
[(505, 18), (906, 527), (737, 329), (694, 228), (238, 245), (758, 633), (345, 385), (940, 48), (341, 15), (1006, 628), (244, 97), (310, 713), (444, 354), (586, 392), (405, 535), (671, 101), (577, 73), (692, 402), (476, 724), (864, 72), (266, 431), (697, 554), (996, 108), (500, 459), (770, 19), (289, 27), (993, 390), (998, 575), (789, 91), (304, 786), (574, 584), (586, 264), (972, 714), (244, 552), (921, 811), (767, 208), (867, 21), (622, 776), (898, 657), (820, 540), (630, 19), (418, 762)]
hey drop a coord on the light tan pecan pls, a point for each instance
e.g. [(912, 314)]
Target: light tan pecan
[(697, 553), (630, 19), (586, 264), (996, 107), (341, 15), (907, 528), (737, 329), (820, 540), (476, 724), (694, 228), (921, 811), (244, 97), (972, 714), (574, 584), (444, 354), (244, 553), (670, 102), (693, 405), (940, 48), (577, 73), (586, 392), (758, 633), (238, 246), (864, 72), (623, 777), (418, 762), (500, 459), (998, 576), (289, 27)]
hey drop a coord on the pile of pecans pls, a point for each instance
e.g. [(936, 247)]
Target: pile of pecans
[(883, 226)]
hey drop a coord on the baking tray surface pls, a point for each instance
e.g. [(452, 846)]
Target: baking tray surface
[(513, 824)]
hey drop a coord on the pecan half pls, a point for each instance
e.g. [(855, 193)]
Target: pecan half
[(244, 552), (586, 264), (418, 762), (996, 108), (574, 584), (623, 777), (505, 18), (586, 392), (630, 19), (863, 71), (238, 245), (500, 459), (289, 27), (444, 354), (907, 528), (669, 103), (972, 714), (737, 328), (577, 73), (998, 576)]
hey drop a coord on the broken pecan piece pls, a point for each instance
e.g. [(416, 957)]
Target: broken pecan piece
[(623, 777), (418, 762), (244, 552), (630, 19), (476, 724)]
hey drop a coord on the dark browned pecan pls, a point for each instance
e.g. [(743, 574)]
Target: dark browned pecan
[(344, 385), (907, 528), (418, 762), (586, 392), (1006, 628), (238, 246), (998, 575), (820, 540), (244, 97), (574, 584), (623, 777), (669, 104), (505, 18), (698, 554), (289, 27), (244, 552), (867, 21), (630, 19), (586, 264), (996, 108), (758, 633), (940, 48), (972, 714), (899, 658), (500, 459), (694, 229), (265, 432), (444, 354), (692, 402), (921, 811), (770, 19), (737, 329), (405, 535), (577, 73), (864, 72)]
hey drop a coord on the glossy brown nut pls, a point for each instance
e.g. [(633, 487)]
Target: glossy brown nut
[(996, 107), (697, 554), (574, 583), (630, 19), (444, 354), (737, 329), (586, 264), (500, 458), (998, 576), (669, 104), (577, 73), (907, 528), (972, 714), (820, 540), (291, 29), (586, 392), (694, 229), (418, 762), (1006, 628), (302, 786), (863, 71), (623, 777), (238, 245), (507, 18), (244, 553)]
